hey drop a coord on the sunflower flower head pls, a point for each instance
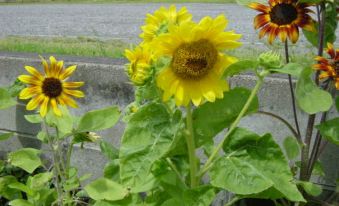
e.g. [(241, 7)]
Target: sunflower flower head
[(282, 18), (269, 59), (197, 62), (159, 22), (139, 67), (329, 67), (50, 89)]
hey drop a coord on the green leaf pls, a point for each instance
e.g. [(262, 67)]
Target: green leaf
[(252, 164), (64, 123), (6, 136), (330, 130), (27, 159), (99, 119), (310, 98), (330, 26), (291, 147), (239, 67), (7, 192), (211, 118), (318, 169), (310, 1), (15, 89), (20, 202), (337, 103), (311, 188), (42, 136), (148, 136), (111, 170), (34, 118), (105, 189), (247, 2), (293, 69), (22, 187), (38, 181), (109, 150), (6, 99)]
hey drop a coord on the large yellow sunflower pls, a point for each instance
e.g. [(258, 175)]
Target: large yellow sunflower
[(282, 18), (50, 89), (329, 67), (197, 64), (139, 68), (158, 22)]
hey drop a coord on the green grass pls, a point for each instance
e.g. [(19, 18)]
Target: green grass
[(117, 1), (90, 47), (80, 46)]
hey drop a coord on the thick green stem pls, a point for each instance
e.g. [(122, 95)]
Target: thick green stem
[(232, 201), (191, 147), (232, 128)]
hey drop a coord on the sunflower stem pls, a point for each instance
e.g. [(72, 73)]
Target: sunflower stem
[(296, 122), (215, 152), (191, 147)]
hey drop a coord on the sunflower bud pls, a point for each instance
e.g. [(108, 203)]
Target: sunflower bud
[(269, 60)]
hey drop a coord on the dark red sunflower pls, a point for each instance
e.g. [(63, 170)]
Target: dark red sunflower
[(329, 67), (282, 18)]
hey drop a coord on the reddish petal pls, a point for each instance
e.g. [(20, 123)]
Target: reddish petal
[(259, 7)]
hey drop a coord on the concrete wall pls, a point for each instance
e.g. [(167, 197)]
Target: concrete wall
[(107, 84)]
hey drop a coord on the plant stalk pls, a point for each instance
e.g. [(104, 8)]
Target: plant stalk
[(191, 147), (232, 201), (232, 128)]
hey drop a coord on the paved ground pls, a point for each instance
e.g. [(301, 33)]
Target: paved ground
[(120, 21)]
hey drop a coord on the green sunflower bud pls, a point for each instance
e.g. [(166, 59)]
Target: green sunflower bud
[(269, 60)]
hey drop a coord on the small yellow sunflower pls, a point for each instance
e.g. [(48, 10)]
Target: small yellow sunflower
[(50, 89), (139, 68), (282, 18), (197, 64), (158, 22), (329, 67)]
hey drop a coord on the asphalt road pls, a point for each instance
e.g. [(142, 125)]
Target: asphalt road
[(120, 21)]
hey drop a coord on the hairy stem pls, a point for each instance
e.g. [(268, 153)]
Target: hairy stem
[(232, 128), (311, 119), (191, 147)]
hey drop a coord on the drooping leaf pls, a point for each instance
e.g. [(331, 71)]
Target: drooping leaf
[(211, 118), (111, 170), (330, 130), (239, 67), (318, 169), (42, 136), (293, 69), (6, 100), (310, 98), (99, 119), (38, 181), (34, 118), (311, 188), (291, 147), (22, 187), (337, 103), (105, 189), (27, 159), (6, 136), (330, 26), (148, 136), (252, 164), (15, 89)]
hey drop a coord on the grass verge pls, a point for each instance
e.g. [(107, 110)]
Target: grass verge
[(90, 47)]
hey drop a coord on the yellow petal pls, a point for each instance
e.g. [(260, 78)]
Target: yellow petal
[(53, 69), (67, 72), (68, 101), (34, 72), (72, 85), (35, 102), (75, 93), (30, 80), (44, 107), (45, 65), (56, 110), (29, 92)]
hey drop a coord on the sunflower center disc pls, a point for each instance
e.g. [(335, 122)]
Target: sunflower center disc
[(283, 14), (194, 60), (52, 87)]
